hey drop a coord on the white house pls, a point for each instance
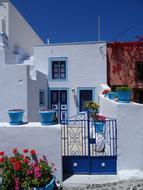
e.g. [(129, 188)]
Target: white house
[(74, 71)]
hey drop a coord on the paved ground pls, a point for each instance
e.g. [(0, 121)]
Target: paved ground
[(101, 182), (91, 179)]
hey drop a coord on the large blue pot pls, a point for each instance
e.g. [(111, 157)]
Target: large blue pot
[(99, 126), (47, 117), (16, 116), (49, 186), (112, 95), (124, 96)]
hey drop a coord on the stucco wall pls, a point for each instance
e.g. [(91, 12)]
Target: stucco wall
[(45, 140), (86, 67), (33, 88), (13, 85), (129, 132), (19, 32)]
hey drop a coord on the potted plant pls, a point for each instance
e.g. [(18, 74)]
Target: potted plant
[(16, 116), (124, 94), (47, 116), (112, 95), (91, 106), (99, 121), (25, 171)]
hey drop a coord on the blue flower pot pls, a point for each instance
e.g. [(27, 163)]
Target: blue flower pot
[(47, 117), (16, 117), (124, 96), (49, 186), (112, 95), (99, 126)]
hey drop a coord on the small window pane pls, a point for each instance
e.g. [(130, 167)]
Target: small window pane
[(58, 69), (42, 97)]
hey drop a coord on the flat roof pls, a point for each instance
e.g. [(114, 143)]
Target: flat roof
[(71, 43)]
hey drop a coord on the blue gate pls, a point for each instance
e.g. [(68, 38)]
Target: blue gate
[(89, 147)]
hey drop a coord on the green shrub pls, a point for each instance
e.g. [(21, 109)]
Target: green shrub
[(123, 88)]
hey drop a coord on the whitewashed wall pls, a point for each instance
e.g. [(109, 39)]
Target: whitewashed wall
[(13, 85), (19, 32), (45, 140), (33, 88), (86, 66), (129, 131)]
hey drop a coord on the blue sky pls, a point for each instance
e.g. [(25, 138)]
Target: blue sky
[(76, 20)]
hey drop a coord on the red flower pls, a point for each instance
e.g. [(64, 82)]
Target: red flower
[(17, 166), (33, 152), (15, 150), (12, 160), (22, 156), (26, 161), (25, 150), (1, 160), (106, 91), (2, 153)]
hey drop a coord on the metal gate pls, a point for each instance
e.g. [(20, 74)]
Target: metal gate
[(89, 147)]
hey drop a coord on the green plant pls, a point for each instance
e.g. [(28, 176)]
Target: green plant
[(91, 105), (123, 88), (24, 170)]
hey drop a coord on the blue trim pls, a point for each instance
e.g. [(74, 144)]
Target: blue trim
[(68, 95), (85, 88), (50, 59)]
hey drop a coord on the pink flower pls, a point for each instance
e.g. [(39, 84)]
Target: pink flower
[(15, 150), (2, 153), (37, 172), (33, 152), (1, 160), (25, 150), (29, 172), (17, 183)]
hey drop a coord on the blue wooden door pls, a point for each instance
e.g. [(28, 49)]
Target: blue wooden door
[(59, 103)]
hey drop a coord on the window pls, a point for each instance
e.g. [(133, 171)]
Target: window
[(138, 96), (42, 97), (139, 71), (58, 69)]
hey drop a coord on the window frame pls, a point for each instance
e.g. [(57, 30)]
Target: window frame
[(59, 72)]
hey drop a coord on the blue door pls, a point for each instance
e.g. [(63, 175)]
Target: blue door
[(59, 103), (87, 150)]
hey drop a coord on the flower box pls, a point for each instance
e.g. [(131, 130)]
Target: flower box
[(16, 116), (47, 117), (124, 94), (112, 95), (99, 126)]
